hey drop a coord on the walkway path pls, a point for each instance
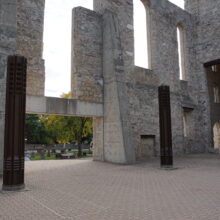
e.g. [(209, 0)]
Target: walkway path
[(87, 190)]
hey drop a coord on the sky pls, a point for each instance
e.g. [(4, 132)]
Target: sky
[(57, 41)]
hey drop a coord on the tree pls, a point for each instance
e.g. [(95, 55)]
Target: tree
[(33, 129), (66, 95), (51, 129), (82, 130), (69, 129)]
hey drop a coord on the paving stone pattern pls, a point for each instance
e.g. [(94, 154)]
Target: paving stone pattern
[(83, 189)]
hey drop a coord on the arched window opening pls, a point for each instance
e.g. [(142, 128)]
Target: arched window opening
[(180, 40), (141, 34), (216, 134)]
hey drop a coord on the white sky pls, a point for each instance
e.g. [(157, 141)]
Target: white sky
[(57, 41)]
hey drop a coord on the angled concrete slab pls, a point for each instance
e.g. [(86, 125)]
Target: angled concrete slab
[(60, 106)]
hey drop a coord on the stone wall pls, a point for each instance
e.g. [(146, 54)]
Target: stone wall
[(103, 70), (207, 48), (143, 105), (7, 47), (30, 21), (130, 93), (187, 97), (21, 24), (141, 102), (87, 78)]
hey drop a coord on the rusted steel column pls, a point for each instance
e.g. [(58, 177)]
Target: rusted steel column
[(166, 153), (13, 173)]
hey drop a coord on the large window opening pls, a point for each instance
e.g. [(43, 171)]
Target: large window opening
[(142, 34), (54, 137), (57, 44), (180, 40)]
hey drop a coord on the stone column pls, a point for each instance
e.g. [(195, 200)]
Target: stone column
[(118, 64)]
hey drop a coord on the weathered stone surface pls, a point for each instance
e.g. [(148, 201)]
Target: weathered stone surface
[(60, 106), (130, 93), (117, 139), (207, 20), (87, 78), (98, 141), (103, 70), (30, 20)]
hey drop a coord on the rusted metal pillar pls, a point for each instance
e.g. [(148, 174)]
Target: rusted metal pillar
[(166, 153), (13, 173)]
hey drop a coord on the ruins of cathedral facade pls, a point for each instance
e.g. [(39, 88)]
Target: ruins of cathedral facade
[(106, 85)]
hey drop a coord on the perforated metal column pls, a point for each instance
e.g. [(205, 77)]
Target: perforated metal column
[(13, 174), (166, 152)]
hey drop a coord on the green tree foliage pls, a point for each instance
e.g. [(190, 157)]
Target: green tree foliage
[(51, 129), (33, 130), (66, 95), (63, 129)]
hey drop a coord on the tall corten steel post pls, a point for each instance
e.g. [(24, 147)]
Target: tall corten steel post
[(166, 153), (13, 174)]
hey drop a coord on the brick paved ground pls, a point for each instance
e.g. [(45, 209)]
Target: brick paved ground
[(87, 190)]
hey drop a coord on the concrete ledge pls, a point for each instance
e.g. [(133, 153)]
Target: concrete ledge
[(60, 106)]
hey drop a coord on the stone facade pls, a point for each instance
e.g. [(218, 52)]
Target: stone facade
[(7, 47), (103, 71), (130, 92), (207, 48), (30, 21), (87, 78), (21, 25)]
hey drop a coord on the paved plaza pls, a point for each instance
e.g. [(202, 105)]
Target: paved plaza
[(87, 190)]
